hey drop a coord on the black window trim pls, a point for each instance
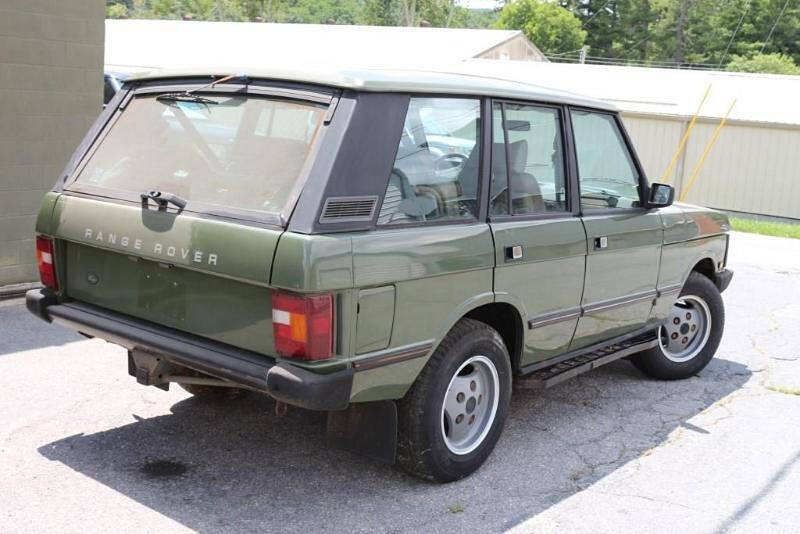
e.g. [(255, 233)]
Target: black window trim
[(632, 155), (482, 193), (570, 176)]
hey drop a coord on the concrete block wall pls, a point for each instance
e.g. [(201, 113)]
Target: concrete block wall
[(51, 90)]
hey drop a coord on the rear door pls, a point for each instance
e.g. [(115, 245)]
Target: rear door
[(539, 238), (624, 239), (233, 164)]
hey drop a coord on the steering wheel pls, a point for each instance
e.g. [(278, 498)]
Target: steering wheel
[(454, 161)]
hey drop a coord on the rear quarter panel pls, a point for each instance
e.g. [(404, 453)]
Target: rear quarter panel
[(439, 273)]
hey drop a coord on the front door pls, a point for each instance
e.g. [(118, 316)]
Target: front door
[(540, 243), (623, 238)]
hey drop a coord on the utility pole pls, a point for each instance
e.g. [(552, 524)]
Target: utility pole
[(680, 28), (582, 58)]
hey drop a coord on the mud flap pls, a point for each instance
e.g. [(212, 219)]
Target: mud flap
[(365, 428)]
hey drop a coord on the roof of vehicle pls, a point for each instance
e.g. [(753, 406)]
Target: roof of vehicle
[(458, 79)]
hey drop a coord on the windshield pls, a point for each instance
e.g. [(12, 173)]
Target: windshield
[(231, 152)]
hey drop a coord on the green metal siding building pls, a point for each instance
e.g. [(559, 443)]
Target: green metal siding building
[(51, 82)]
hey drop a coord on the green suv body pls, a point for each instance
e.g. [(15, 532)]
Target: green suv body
[(393, 247)]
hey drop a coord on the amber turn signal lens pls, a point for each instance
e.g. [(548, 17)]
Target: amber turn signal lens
[(303, 325)]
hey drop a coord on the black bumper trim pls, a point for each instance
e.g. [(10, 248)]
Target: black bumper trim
[(722, 279), (283, 381), (37, 302)]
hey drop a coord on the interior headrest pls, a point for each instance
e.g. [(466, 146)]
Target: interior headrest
[(518, 155), (499, 158)]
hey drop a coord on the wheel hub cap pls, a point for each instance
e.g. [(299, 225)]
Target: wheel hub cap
[(470, 405), (686, 331)]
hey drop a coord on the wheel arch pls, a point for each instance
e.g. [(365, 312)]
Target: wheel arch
[(507, 320), (705, 256), (500, 311), (706, 267)]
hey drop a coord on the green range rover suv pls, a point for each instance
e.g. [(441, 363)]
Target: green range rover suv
[(396, 248)]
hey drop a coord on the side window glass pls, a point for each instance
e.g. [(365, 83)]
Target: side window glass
[(531, 162), (607, 176), (435, 173)]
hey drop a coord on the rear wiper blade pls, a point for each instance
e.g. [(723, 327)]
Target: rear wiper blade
[(162, 199), (185, 97), (188, 96)]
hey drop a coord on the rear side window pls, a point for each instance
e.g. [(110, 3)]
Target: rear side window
[(527, 161), (232, 153), (435, 172)]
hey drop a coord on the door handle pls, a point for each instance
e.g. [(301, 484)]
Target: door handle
[(600, 242), (514, 252)]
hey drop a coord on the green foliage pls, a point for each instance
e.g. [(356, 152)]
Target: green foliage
[(750, 35), (549, 26), (438, 13), (116, 11), (688, 31), (778, 229), (771, 63), (441, 13)]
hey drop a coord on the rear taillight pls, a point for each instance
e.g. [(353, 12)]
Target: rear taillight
[(44, 260), (303, 325)]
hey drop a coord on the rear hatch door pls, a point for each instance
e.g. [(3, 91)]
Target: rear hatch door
[(234, 165)]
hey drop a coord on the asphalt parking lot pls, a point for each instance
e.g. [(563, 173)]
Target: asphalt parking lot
[(84, 448)]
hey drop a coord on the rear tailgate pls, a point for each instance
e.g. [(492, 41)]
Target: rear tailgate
[(202, 275)]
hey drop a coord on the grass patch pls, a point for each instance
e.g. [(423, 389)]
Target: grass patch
[(785, 391), (778, 229), (455, 508)]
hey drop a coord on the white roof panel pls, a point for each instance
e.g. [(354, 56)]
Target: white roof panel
[(136, 45), (767, 98)]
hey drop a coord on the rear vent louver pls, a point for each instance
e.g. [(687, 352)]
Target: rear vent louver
[(348, 209)]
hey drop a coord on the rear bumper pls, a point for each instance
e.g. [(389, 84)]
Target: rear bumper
[(722, 279), (283, 381)]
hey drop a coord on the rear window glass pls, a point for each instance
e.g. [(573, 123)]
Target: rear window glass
[(241, 153)]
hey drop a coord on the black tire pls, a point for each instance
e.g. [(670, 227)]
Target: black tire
[(656, 364), (421, 448), (213, 393)]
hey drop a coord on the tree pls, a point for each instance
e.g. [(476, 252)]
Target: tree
[(116, 11), (768, 63), (549, 26), (438, 13), (713, 32)]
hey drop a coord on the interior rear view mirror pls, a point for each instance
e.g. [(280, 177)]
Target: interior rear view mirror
[(518, 125), (660, 196)]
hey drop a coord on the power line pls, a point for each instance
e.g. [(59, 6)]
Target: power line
[(564, 53), (598, 60), (741, 19), (769, 35), (595, 14)]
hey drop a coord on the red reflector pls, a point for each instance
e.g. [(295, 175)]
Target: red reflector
[(303, 325), (44, 260)]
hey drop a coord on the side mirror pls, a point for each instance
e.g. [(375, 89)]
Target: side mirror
[(660, 196)]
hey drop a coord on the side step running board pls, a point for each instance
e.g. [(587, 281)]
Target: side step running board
[(550, 376)]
